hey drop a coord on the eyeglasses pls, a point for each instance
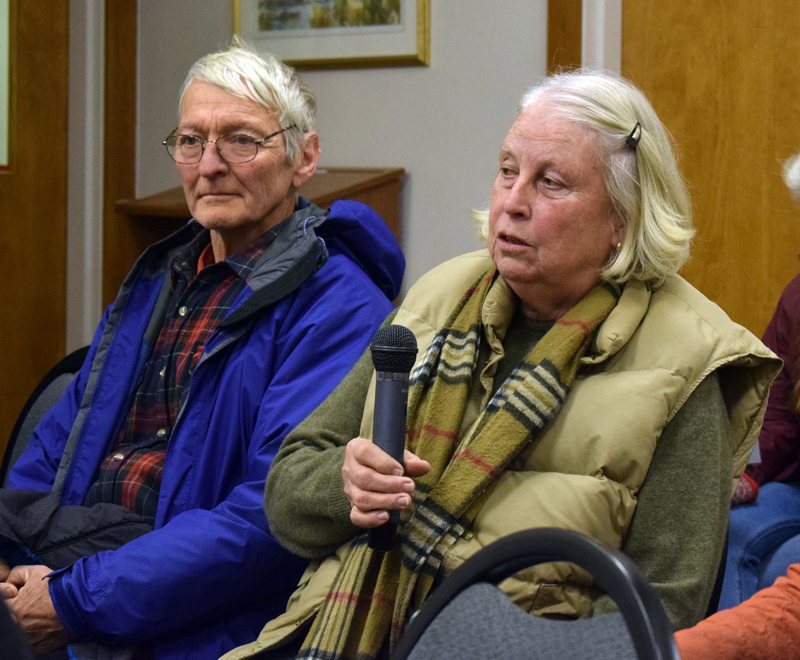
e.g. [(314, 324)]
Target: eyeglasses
[(235, 148)]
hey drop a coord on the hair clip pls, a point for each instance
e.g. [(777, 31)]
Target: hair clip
[(634, 136)]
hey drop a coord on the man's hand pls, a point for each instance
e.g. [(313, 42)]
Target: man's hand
[(6, 590), (33, 609), (375, 483)]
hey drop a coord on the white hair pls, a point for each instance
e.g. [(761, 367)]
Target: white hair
[(642, 179), (791, 176), (244, 72)]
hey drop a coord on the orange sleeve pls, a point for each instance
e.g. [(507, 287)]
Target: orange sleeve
[(767, 626)]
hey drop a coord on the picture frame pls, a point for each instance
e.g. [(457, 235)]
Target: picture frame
[(5, 84), (338, 34)]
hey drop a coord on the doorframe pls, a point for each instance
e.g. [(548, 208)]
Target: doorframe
[(102, 156), (85, 171)]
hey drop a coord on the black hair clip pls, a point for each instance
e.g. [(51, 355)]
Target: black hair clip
[(634, 136)]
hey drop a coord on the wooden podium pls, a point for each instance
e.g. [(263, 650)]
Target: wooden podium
[(150, 219)]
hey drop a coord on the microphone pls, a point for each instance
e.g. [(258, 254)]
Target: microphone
[(394, 351)]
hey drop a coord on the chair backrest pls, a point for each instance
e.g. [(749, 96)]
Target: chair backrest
[(12, 643), (647, 623), (44, 397)]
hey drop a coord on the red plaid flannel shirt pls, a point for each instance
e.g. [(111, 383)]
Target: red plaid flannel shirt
[(202, 293)]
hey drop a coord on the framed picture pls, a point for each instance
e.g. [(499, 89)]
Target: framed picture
[(5, 82), (338, 34)]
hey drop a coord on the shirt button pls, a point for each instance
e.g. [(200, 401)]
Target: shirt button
[(163, 372), (118, 457), (161, 433), (183, 311), (468, 535)]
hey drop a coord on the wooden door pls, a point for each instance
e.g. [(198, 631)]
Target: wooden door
[(33, 205), (724, 78)]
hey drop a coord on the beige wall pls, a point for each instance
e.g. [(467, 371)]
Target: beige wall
[(444, 123)]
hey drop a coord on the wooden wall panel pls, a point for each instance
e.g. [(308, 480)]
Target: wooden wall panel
[(33, 205), (564, 34), (724, 78)]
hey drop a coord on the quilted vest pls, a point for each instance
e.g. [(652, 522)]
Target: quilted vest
[(584, 470)]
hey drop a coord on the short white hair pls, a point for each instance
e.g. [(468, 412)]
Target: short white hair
[(791, 176), (643, 181), (245, 72)]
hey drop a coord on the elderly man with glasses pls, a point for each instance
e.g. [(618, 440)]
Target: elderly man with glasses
[(223, 337)]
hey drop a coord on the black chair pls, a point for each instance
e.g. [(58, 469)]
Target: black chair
[(44, 396), (641, 612), (13, 646)]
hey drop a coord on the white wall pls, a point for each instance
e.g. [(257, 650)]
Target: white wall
[(444, 123), (172, 35)]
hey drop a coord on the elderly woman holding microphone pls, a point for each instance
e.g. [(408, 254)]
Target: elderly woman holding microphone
[(567, 377)]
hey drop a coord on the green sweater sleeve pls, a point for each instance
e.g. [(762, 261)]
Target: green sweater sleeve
[(678, 530), (306, 508)]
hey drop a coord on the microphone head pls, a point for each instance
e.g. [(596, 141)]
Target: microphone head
[(393, 348)]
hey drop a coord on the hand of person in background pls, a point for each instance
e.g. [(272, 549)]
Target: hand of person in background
[(375, 483), (28, 597), (746, 491)]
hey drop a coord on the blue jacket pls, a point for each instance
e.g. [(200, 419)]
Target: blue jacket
[(210, 575)]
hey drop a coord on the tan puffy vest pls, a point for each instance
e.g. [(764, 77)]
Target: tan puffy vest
[(584, 470)]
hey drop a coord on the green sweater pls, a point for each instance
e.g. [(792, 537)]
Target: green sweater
[(309, 514)]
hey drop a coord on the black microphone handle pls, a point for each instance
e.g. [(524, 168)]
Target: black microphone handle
[(389, 433)]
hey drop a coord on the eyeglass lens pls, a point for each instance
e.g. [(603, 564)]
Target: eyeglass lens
[(188, 149)]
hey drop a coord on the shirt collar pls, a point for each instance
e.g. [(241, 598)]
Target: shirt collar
[(198, 255)]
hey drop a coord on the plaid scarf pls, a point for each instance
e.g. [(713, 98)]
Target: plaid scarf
[(373, 592)]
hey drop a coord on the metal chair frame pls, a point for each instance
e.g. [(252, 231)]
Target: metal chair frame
[(647, 621)]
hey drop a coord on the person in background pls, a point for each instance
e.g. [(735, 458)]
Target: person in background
[(222, 338), (567, 377), (764, 536), (764, 627)]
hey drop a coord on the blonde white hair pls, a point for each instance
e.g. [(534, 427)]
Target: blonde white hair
[(643, 181), (243, 71)]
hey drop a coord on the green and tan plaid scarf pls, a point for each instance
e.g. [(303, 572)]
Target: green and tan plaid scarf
[(375, 593)]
